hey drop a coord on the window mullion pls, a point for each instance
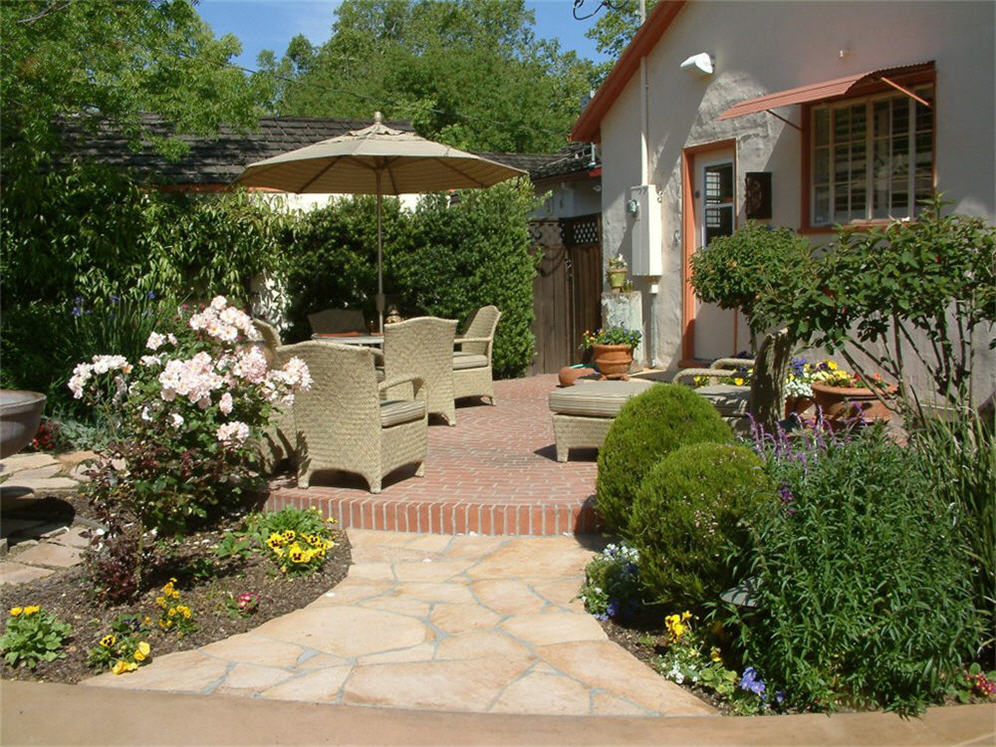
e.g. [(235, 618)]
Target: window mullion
[(869, 160)]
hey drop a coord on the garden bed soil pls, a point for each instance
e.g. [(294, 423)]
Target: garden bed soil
[(70, 596)]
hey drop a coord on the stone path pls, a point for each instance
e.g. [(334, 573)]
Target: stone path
[(37, 539), (451, 623)]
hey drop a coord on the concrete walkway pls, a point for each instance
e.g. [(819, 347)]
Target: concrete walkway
[(45, 714), (430, 622)]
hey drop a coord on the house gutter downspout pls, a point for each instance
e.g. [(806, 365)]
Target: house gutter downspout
[(650, 337)]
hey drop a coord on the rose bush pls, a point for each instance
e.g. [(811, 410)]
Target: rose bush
[(188, 415)]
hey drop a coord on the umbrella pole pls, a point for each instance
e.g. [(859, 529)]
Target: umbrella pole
[(380, 261)]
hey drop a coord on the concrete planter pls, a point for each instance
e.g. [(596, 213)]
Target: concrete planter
[(20, 416)]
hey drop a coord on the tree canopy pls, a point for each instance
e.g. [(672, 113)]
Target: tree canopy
[(469, 72), (102, 61), (614, 28)]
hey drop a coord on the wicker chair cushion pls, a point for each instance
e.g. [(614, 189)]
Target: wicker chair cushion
[(469, 360), (598, 399), (397, 411), (731, 401)]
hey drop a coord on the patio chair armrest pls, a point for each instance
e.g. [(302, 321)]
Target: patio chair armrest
[(687, 375), (461, 340), (732, 363), (418, 385)]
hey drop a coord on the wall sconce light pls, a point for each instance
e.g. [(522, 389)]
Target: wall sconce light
[(701, 62), (633, 207)]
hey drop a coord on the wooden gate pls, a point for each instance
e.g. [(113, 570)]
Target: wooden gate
[(567, 289)]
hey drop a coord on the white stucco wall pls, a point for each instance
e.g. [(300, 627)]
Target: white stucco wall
[(764, 47)]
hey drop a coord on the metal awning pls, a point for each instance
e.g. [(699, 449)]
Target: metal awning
[(827, 90)]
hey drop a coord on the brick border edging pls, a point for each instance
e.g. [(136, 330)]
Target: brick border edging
[(444, 517)]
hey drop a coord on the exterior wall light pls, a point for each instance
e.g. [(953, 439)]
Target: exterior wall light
[(701, 62)]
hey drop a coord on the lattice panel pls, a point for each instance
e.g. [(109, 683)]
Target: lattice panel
[(583, 231)]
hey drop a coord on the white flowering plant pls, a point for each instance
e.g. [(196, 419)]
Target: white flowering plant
[(189, 414), (611, 587)]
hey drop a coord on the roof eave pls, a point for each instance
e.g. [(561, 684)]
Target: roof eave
[(588, 126)]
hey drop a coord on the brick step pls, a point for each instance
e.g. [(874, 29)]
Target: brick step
[(366, 511)]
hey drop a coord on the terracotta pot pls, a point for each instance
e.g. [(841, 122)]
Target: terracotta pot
[(842, 403), (568, 374), (798, 405), (613, 361)]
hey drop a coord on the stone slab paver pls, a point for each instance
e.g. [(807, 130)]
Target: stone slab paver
[(16, 573), (42, 484), (38, 473), (19, 462), (50, 555), (73, 537), (495, 632)]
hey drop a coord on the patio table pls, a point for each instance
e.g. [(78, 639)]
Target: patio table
[(348, 339)]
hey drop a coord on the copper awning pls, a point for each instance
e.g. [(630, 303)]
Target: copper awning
[(827, 90)]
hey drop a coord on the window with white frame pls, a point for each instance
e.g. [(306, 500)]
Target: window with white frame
[(872, 158)]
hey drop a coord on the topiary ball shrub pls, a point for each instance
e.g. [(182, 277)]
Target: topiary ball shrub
[(649, 426), (687, 521)]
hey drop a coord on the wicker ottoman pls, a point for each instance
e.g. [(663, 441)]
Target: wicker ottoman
[(583, 413)]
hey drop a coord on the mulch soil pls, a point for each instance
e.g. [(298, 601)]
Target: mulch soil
[(71, 597)]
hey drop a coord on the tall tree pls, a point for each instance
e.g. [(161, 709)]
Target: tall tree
[(468, 72), (92, 61), (617, 22)]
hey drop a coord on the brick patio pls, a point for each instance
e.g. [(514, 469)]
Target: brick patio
[(494, 473)]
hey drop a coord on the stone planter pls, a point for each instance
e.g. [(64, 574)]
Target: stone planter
[(612, 361), (850, 403), (20, 415)]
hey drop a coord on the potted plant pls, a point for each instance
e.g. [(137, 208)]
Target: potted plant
[(617, 273), (841, 395), (612, 350)]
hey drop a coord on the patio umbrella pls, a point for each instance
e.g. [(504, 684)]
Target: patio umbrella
[(376, 160)]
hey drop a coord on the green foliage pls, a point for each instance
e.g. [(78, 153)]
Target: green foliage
[(688, 521), (296, 540), (83, 249), (611, 585), (469, 73), (756, 260), (124, 648), (104, 61), (614, 27), (33, 635), (958, 454), (611, 336), (648, 427), (440, 260), (875, 292), (863, 585)]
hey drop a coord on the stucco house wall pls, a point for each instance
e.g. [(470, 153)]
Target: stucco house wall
[(761, 48)]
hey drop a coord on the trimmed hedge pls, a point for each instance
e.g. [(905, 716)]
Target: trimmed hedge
[(648, 427), (687, 521)]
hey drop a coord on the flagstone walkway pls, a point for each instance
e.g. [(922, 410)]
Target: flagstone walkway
[(431, 622)]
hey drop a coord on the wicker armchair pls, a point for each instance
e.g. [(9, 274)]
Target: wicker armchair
[(343, 424), (472, 359), (423, 346), (337, 320)]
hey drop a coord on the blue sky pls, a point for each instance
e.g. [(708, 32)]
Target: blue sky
[(270, 24)]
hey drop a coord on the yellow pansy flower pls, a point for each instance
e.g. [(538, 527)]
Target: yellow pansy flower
[(123, 666), (108, 640), (15, 611), (32, 609), (715, 655), (142, 652)]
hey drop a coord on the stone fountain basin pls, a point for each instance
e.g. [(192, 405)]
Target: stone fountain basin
[(20, 416)]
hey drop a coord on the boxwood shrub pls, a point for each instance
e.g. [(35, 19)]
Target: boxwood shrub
[(687, 521), (648, 427)]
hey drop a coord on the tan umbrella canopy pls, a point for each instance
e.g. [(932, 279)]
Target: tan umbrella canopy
[(376, 160)]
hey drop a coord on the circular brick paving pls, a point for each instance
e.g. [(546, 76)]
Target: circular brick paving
[(495, 472)]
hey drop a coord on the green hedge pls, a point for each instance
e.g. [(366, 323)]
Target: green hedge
[(442, 259)]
